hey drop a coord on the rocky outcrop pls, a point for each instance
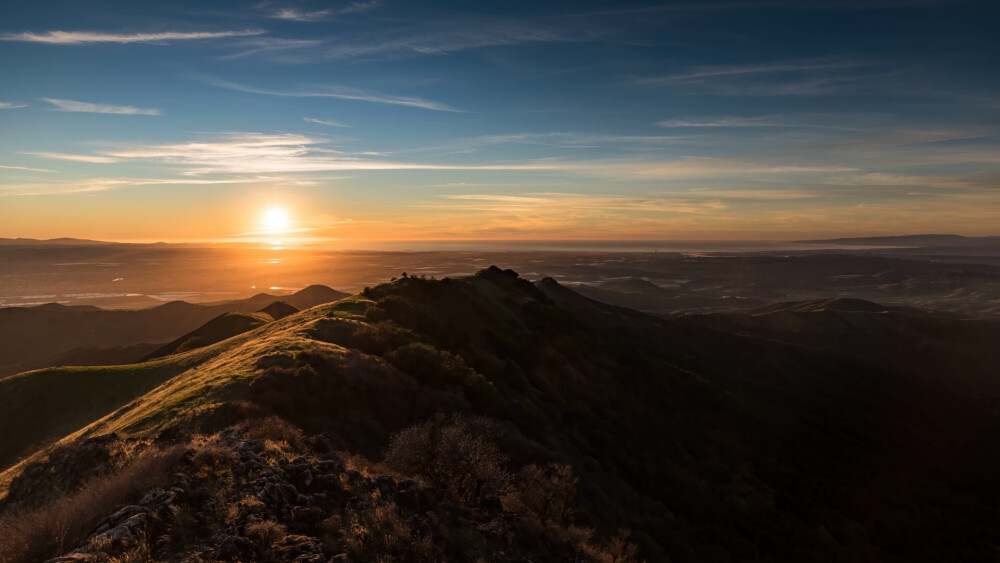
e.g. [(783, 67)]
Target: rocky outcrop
[(238, 497)]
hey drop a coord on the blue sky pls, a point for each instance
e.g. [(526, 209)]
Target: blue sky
[(383, 120)]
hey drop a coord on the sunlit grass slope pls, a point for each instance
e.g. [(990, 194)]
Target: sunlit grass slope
[(218, 329), (69, 402)]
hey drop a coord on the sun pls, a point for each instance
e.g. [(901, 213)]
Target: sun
[(275, 220)]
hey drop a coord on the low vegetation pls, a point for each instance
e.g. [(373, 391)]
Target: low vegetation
[(263, 491), (34, 533)]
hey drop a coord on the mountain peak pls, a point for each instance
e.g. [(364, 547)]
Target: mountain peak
[(279, 310), (494, 271)]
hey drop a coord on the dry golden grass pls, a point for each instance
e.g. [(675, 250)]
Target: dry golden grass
[(273, 428), (50, 530), (377, 532), (267, 532)]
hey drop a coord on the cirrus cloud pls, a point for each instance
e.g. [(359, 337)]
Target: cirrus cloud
[(86, 107), (83, 37)]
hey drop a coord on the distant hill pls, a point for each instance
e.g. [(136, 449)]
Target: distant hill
[(106, 356), (33, 337), (218, 329), (280, 310), (51, 242), (910, 240), (312, 296)]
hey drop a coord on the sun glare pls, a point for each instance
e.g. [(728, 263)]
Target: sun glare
[(275, 220)]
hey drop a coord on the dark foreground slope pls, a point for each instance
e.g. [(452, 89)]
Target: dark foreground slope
[(710, 438)]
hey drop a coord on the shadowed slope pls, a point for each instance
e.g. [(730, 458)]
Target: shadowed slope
[(51, 403)]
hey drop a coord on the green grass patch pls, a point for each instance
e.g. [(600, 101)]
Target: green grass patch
[(48, 404)]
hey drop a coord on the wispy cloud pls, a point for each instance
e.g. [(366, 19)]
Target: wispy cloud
[(690, 168), (574, 140), (329, 122), (722, 122), (553, 140), (273, 46), (340, 93), (864, 123), (398, 38), (775, 194), (781, 78), (701, 73), (25, 168), (89, 185), (84, 37), (580, 204), (293, 14), (86, 107), (257, 153), (93, 159), (452, 36), (8, 105), (909, 180)]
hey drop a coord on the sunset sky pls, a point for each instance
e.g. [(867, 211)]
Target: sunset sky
[(390, 120)]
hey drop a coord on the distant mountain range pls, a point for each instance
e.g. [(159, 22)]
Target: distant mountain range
[(54, 334), (51, 242), (910, 240)]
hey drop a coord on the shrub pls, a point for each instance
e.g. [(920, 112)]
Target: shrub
[(273, 428), (457, 454), (617, 550), (211, 460), (432, 366), (547, 492), (395, 308), (266, 532), (381, 337), (378, 533), (48, 531)]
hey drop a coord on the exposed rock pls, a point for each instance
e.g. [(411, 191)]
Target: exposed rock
[(259, 506), (235, 548), (75, 558), (386, 486), (301, 549)]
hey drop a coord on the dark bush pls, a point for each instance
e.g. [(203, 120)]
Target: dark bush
[(381, 337), (547, 491), (392, 307), (457, 454)]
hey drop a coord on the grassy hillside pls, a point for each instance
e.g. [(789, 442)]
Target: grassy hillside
[(51, 403), (220, 328), (36, 337), (785, 435)]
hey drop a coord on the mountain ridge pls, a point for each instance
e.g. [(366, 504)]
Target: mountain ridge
[(33, 337), (708, 436), (909, 240)]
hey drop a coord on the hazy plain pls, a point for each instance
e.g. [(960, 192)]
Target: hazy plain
[(661, 277)]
